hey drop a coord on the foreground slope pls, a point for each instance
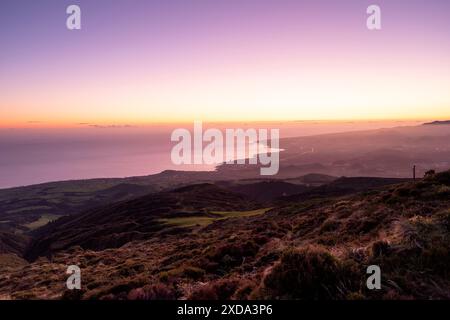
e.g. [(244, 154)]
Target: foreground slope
[(313, 249)]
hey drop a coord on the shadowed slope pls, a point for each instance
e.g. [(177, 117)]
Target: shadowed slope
[(114, 225)]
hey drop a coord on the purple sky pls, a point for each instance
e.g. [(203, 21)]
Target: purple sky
[(236, 59)]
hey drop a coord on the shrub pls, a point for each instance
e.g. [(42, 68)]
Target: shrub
[(443, 178), (444, 218), (309, 273), (380, 248), (206, 292), (158, 291), (330, 225), (443, 191), (403, 192), (223, 289), (193, 272), (430, 174), (424, 248), (362, 225), (232, 254)]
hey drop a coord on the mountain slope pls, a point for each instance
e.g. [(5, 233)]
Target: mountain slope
[(343, 186), (13, 243), (114, 225), (266, 191), (294, 251)]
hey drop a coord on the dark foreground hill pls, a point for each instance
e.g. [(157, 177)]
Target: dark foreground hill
[(317, 248), (114, 225), (25, 209)]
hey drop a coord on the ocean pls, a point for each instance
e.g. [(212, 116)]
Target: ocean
[(37, 155)]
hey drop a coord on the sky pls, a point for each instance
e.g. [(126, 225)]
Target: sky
[(140, 62)]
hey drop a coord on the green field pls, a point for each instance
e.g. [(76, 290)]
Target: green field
[(240, 214), (203, 221), (42, 221), (189, 221)]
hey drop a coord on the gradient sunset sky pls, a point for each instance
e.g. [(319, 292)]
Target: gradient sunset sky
[(180, 60)]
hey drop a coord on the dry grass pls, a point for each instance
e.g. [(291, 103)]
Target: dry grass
[(314, 250)]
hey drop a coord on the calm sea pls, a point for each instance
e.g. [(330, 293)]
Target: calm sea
[(30, 156)]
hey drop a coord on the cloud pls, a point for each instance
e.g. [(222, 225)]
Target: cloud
[(110, 126)]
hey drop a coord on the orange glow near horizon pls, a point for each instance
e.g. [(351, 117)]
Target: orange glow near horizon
[(247, 93), (143, 123), (228, 62)]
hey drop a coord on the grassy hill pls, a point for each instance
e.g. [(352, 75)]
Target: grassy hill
[(114, 225), (23, 209), (318, 248)]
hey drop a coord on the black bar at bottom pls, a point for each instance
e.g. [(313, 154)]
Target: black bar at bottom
[(165, 310)]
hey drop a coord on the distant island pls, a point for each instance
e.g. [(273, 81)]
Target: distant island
[(445, 122)]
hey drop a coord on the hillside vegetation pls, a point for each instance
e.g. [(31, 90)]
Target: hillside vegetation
[(317, 247)]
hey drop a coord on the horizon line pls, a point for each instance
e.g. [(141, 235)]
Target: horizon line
[(41, 124)]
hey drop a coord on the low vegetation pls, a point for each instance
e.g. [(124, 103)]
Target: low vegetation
[(212, 244)]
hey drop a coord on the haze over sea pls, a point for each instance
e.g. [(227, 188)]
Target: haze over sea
[(37, 155)]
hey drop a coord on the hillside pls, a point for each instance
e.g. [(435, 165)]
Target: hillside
[(445, 122), (24, 209), (141, 218), (13, 243), (313, 249), (342, 186), (265, 191), (114, 225)]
